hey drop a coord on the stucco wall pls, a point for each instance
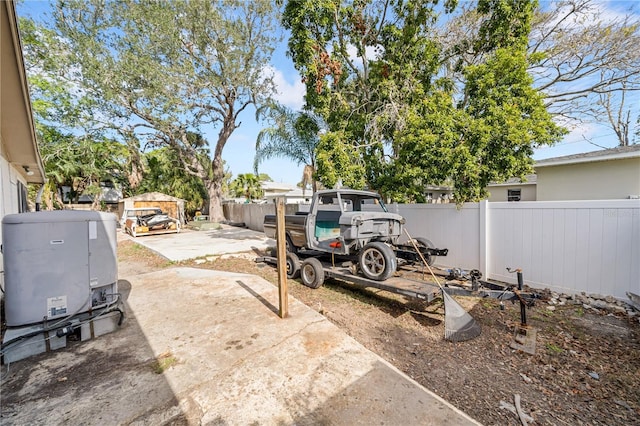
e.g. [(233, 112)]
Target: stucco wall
[(499, 193), (602, 180)]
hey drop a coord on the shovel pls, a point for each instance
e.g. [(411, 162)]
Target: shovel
[(459, 326)]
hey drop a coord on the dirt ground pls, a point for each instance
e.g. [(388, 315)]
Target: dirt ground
[(586, 370)]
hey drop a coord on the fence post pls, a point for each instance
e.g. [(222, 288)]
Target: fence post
[(283, 291), (485, 252)]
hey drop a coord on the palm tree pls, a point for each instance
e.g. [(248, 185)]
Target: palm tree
[(247, 185), (293, 135)]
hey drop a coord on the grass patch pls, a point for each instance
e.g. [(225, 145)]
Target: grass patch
[(554, 349), (163, 362)]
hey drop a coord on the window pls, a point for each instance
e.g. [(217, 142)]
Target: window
[(513, 194)]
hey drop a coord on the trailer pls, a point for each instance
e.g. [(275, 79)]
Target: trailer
[(148, 221), (314, 270)]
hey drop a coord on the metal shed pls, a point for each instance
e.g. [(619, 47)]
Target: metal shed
[(172, 206)]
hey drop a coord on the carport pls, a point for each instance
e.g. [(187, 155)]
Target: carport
[(173, 206)]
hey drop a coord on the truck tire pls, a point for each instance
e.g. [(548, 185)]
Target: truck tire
[(423, 242), (312, 273), (290, 247), (293, 266), (377, 261)]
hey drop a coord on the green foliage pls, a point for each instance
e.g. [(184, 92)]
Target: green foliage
[(161, 72), (553, 348), (246, 185), (164, 173), (338, 163), (377, 74), (292, 135)]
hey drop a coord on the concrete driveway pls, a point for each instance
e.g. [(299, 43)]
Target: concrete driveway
[(189, 244), (203, 347)]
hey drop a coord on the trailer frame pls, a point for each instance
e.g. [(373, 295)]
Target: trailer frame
[(420, 289)]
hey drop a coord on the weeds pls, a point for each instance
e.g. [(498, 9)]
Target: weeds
[(554, 349), (163, 362)]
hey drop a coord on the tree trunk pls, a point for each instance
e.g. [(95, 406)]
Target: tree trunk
[(214, 190)]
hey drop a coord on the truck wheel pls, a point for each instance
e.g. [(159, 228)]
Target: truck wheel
[(423, 242), (290, 247), (312, 273), (293, 266), (377, 261)]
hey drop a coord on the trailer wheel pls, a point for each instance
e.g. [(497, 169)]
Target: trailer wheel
[(377, 261), (312, 273), (293, 266), (423, 242)]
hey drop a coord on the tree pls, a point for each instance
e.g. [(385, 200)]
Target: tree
[(585, 62), (162, 71), (376, 72), (163, 173), (76, 151), (246, 185), (292, 135)]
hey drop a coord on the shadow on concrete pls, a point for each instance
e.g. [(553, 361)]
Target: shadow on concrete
[(379, 399), (106, 380), (236, 234), (262, 300)]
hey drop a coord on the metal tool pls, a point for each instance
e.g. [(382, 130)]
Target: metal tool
[(458, 324), (524, 337)]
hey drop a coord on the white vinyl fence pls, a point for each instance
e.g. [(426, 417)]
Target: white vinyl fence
[(567, 246)]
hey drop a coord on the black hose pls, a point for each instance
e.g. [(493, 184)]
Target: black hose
[(28, 335), (44, 330)]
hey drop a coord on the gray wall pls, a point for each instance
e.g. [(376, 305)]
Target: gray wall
[(252, 215)]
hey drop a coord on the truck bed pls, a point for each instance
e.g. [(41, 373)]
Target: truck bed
[(294, 226)]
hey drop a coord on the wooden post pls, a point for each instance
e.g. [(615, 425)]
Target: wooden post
[(282, 259)]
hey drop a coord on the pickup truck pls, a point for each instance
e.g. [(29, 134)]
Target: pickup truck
[(352, 224)]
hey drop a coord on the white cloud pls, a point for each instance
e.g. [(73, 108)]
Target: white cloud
[(370, 52), (289, 94)]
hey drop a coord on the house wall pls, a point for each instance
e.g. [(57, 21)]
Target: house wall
[(9, 178), (500, 193), (602, 180)]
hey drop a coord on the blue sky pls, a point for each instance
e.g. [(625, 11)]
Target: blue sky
[(240, 149)]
